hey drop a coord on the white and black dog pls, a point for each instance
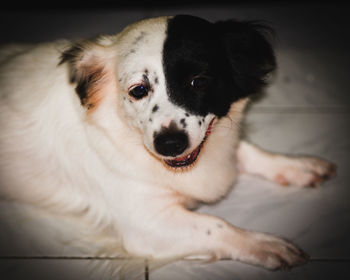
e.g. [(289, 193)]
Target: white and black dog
[(130, 131)]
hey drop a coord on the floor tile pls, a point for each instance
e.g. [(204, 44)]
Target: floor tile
[(67, 269), (225, 270), (308, 77), (317, 220)]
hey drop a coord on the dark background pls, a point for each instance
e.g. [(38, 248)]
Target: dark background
[(298, 23)]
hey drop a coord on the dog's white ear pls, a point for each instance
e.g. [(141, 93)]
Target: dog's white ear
[(249, 51), (90, 69)]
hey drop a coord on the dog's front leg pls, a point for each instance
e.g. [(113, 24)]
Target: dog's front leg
[(179, 233), (285, 170)]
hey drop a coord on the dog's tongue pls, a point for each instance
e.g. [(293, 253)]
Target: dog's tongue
[(187, 157), (185, 160), (207, 133), (180, 158)]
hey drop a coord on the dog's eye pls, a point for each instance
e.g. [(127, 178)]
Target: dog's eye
[(200, 82), (139, 91)]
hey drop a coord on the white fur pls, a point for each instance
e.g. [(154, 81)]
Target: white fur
[(101, 164)]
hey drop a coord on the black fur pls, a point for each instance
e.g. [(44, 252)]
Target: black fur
[(232, 57), (155, 108), (183, 123), (84, 70), (72, 56)]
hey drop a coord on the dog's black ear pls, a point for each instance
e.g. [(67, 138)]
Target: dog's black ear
[(249, 52), (88, 69)]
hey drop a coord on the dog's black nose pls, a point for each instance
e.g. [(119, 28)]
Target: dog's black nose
[(171, 143)]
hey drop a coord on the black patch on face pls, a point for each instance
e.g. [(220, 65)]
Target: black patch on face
[(139, 38), (208, 66), (183, 122), (155, 108)]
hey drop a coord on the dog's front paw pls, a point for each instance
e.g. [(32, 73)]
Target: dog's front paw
[(272, 252), (303, 171)]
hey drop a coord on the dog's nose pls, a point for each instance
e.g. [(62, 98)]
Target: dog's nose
[(171, 143)]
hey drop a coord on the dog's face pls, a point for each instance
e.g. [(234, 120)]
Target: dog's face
[(176, 77)]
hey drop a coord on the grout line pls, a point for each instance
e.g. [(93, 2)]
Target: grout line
[(300, 109), (120, 258), (330, 260), (60, 258), (146, 270)]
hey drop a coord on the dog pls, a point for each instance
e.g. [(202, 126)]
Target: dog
[(131, 131)]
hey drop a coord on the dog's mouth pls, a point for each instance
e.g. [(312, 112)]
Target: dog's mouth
[(189, 159)]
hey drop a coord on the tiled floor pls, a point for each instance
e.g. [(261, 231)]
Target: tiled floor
[(305, 111), (317, 220)]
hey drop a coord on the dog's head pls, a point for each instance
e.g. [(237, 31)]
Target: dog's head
[(174, 77)]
